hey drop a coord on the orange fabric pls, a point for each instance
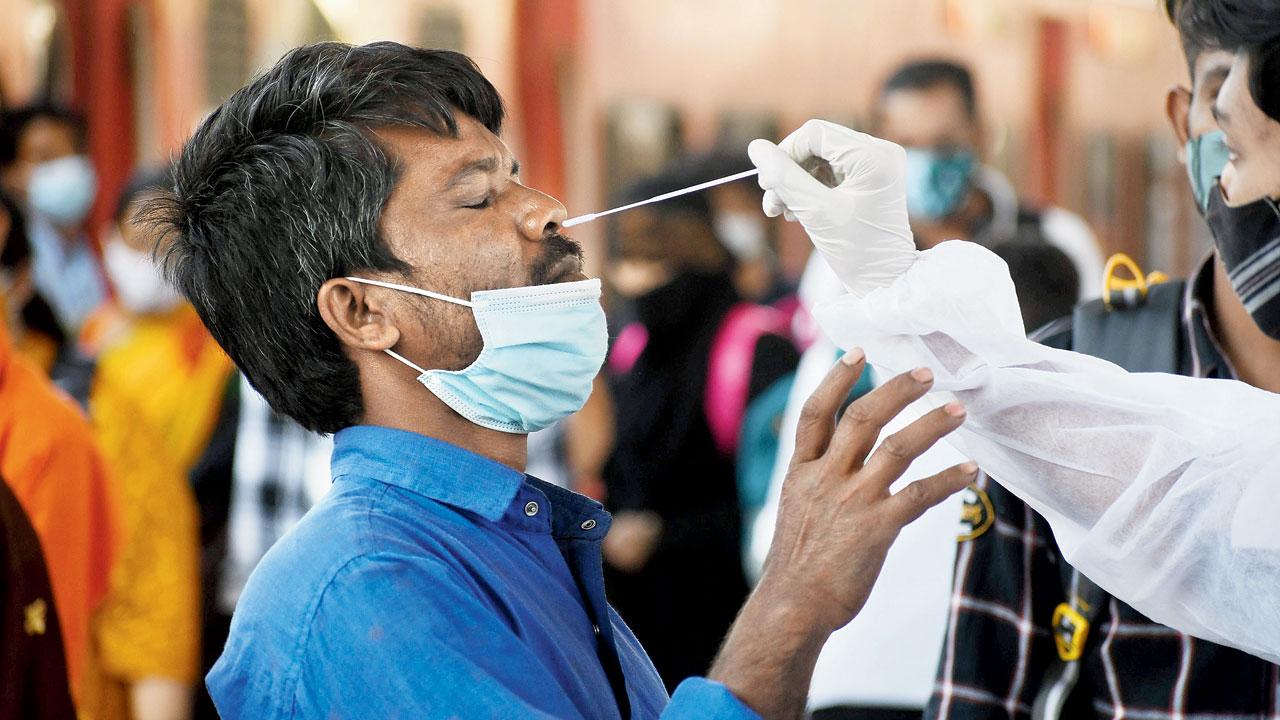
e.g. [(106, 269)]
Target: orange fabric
[(50, 459)]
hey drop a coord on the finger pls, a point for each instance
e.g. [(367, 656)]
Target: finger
[(818, 416), (815, 139), (780, 173), (862, 422), (854, 157), (913, 500), (900, 449), (773, 207)]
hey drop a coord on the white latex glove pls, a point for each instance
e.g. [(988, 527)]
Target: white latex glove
[(860, 226)]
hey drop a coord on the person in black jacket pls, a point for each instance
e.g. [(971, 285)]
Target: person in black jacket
[(673, 553)]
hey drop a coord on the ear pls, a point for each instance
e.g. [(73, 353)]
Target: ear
[(1177, 106), (356, 315)]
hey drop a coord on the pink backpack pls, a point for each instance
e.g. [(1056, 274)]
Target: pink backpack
[(729, 367)]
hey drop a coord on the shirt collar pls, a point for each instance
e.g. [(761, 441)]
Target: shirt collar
[(427, 466), (572, 515), (1207, 357), (462, 479)]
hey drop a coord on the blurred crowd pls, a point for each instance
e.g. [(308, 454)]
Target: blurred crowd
[(143, 477)]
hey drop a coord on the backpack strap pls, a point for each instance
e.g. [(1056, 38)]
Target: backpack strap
[(1138, 326), (730, 365)]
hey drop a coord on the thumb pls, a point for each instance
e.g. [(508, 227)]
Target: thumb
[(779, 174)]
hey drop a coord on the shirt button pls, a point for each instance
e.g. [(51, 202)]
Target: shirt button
[(531, 509), (589, 524)]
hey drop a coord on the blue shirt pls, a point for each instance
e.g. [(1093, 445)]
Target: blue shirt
[(66, 274), (432, 583)]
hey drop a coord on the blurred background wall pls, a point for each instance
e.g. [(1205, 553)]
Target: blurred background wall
[(1072, 91)]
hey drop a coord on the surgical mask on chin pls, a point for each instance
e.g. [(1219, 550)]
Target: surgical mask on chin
[(63, 189), (139, 284), (543, 346), (1248, 241), (937, 182), (743, 234), (1207, 155)]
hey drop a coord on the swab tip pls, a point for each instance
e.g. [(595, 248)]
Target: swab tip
[(578, 220)]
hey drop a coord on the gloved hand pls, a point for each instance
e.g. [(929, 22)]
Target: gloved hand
[(860, 225)]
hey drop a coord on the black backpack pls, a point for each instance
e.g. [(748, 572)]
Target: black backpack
[(1138, 326)]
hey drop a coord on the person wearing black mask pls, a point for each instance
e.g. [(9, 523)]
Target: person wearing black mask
[(1222, 322), (673, 554), (1158, 486)]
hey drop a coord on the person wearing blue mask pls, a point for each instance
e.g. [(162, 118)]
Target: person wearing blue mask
[(1149, 667), (355, 234), (930, 107), (43, 164), (1133, 525)]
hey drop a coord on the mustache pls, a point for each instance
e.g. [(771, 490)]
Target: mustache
[(555, 248)]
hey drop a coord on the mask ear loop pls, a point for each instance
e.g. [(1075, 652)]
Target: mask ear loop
[(415, 291), (405, 360)]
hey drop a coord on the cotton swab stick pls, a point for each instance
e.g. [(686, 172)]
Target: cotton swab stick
[(665, 196)]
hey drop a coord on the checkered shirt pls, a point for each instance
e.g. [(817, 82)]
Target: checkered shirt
[(1009, 582), (280, 470)]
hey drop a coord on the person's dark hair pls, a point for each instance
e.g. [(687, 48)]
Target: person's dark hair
[(1046, 281), (144, 182), (1235, 25), (693, 206), (14, 122), (671, 179), (282, 188), (16, 250), (929, 74)]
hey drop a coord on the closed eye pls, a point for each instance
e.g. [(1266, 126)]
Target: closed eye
[(486, 202)]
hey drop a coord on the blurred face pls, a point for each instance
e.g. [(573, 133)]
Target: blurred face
[(460, 217), (42, 140), (654, 248), (929, 119), (1254, 139), (1191, 111), (135, 235), (1211, 70)]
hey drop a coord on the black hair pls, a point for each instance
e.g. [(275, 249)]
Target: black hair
[(16, 250), (694, 206), (929, 74), (673, 178), (36, 314), (14, 122), (282, 188), (1046, 281), (142, 183), (1235, 25)]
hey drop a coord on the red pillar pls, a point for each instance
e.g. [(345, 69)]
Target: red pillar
[(102, 89), (546, 38), (1051, 94)]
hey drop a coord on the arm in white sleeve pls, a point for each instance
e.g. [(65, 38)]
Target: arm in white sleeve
[(1162, 489)]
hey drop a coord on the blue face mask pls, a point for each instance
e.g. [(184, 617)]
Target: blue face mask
[(1207, 155), (63, 189), (543, 346), (937, 182)]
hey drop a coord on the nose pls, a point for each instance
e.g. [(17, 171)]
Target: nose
[(543, 215)]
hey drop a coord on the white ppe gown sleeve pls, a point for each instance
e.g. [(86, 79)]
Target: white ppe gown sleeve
[(1162, 489)]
